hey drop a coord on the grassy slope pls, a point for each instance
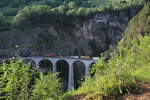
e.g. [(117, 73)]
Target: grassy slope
[(130, 64)]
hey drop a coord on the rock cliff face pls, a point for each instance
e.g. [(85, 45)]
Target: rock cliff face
[(89, 37)]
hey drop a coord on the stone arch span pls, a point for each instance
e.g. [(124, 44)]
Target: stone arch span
[(45, 66), (79, 70), (62, 67), (67, 68)]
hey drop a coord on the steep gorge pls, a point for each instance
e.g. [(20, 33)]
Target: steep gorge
[(88, 36)]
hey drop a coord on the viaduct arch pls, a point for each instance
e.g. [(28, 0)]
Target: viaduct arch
[(71, 70)]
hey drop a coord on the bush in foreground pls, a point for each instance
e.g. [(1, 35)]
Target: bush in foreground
[(17, 82), (15, 77), (121, 75), (47, 88)]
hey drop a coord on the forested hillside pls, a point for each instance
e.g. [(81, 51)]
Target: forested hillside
[(10, 8), (34, 28)]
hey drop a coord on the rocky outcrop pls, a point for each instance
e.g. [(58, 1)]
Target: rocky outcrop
[(88, 37)]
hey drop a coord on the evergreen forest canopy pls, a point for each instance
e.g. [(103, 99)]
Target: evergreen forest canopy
[(13, 12)]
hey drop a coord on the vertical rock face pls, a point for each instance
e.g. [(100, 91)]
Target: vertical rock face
[(89, 37), (94, 35)]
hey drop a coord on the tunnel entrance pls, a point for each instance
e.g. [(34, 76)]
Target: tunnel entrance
[(30, 61), (63, 70), (45, 66), (79, 73)]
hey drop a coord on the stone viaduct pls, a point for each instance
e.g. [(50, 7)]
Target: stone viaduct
[(63, 65)]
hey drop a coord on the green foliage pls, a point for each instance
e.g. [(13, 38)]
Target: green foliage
[(47, 88), (38, 15), (32, 14), (128, 66), (8, 11), (4, 23), (138, 26), (2, 18), (26, 10), (83, 12), (122, 73), (72, 5), (15, 79), (143, 72), (17, 82)]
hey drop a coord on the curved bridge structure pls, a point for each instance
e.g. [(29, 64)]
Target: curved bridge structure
[(53, 63)]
